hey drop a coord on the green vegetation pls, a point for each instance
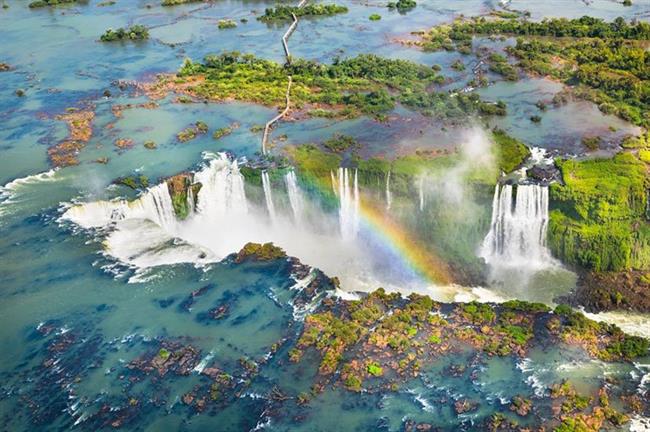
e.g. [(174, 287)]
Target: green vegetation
[(340, 143), (523, 306), (479, 313), (191, 132), (134, 182), (225, 131), (402, 5), (591, 143), (499, 64), (260, 252), (179, 187), (458, 65), (135, 32), (313, 161), (374, 369), (598, 221), (366, 84), (150, 145), (226, 24), (374, 17), (353, 382), (164, 354), (44, 3), (408, 334), (584, 27), (602, 62), (178, 2), (604, 341), (644, 155), (310, 10), (511, 153)]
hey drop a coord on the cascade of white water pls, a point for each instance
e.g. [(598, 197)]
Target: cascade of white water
[(421, 193), (295, 196), (334, 187), (191, 201), (268, 195), (222, 192), (517, 234), (157, 205), (348, 203), (389, 198)]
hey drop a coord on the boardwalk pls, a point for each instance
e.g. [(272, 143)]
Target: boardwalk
[(270, 123), (287, 54)]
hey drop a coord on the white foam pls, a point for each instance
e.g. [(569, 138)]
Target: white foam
[(630, 322), (13, 192), (144, 233), (639, 424)]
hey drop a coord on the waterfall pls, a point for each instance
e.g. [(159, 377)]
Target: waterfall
[(295, 196), (266, 184), (157, 206), (421, 193), (389, 199), (348, 203), (191, 202), (222, 192), (517, 234)]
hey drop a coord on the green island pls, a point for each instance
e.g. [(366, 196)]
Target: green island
[(44, 3), (224, 24), (179, 2), (402, 5), (366, 84), (193, 131), (133, 33), (225, 131), (281, 13), (603, 62)]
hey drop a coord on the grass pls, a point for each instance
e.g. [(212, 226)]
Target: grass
[(363, 85), (510, 152), (598, 219)]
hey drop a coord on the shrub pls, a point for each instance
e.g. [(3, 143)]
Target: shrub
[(135, 32), (226, 24), (374, 369)]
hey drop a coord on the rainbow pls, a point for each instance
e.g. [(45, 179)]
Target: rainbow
[(391, 234), (423, 261)]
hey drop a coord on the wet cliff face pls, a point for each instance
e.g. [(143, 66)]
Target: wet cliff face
[(184, 194)]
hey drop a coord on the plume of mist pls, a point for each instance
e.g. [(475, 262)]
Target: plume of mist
[(475, 157)]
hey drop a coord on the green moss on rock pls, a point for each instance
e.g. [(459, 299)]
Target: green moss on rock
[(260, 252), (599, 217), (511, 153)]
